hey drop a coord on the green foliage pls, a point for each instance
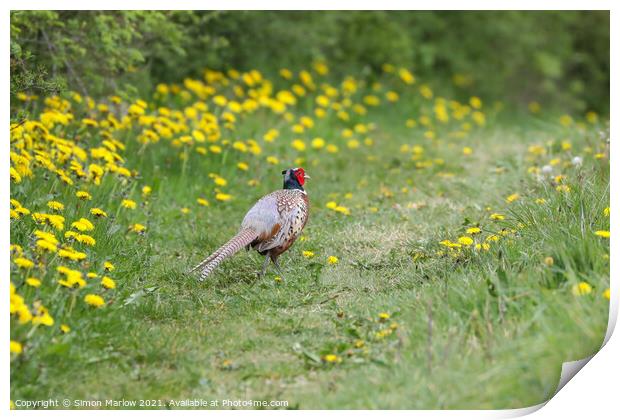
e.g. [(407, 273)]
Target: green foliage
[(95, 51), (555, 57)]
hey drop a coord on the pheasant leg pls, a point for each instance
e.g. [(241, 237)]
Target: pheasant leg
[(264, 269), (278, 269)]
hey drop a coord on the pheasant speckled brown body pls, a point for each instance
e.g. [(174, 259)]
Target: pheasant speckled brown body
[(271, 226)]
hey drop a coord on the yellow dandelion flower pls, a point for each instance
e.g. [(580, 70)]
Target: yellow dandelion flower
[(497, 216), (391, 96), (223, 197), (562, 188), (406, 76), (479, 118), (44, 245), (466, 240), (34, 282), (534, 107), (22, 262), (128, 204), (83, 225), (16, 249), (16, 347), (332, 260), (97, 212), (607, 294), (308, 254), (55, 205), (298, 145), (64, 328), (43, 319), (353, 143), (137, 227), (56, 221), (135, 110), (342, 209), (85, 239), (473, 230), (108, 283), (602, 233), (332, 148), (202, 202), (146, 190), (94, 300), (581, 289), (83, 195), (47, 236), (332, 358), (512, 197), (108, 266), (15, 176), (306, 122), (219, 181), (318, 143), (475, 102), (383, 333), (89, 122), (70, 253)]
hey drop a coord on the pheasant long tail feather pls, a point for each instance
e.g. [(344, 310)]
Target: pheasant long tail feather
[(206, 260), (234, 245)]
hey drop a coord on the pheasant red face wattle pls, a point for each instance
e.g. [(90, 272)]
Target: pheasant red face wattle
[(301, 176)]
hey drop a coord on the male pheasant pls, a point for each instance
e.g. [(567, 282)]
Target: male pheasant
[(271, 226)]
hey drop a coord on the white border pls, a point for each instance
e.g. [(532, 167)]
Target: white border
[(591, 393)]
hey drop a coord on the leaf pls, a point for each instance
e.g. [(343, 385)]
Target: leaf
[(98, 359), (134, 297), (59, 349), (298, 348), (501, 275), (380, 362), (138, 294), (491, 287), (353, 332), (311, 355), (113, 229)]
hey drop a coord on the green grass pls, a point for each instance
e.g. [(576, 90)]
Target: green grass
[(481, 329)]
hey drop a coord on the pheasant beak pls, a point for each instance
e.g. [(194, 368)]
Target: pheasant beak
[(306, 176)]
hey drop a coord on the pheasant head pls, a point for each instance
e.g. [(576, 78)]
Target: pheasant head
[(294, 178)]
